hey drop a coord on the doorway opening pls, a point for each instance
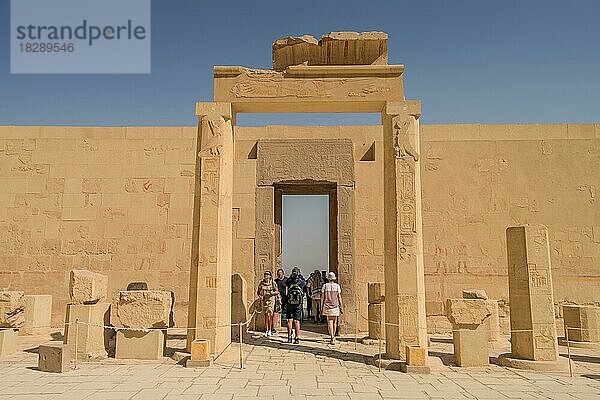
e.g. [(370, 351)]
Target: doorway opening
[(306, 234)]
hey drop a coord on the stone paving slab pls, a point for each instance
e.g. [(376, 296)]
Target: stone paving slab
[(275, 370)]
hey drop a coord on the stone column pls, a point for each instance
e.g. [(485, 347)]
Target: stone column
[(345, 258), (264, 242), (210, 275), (376, 309), (403, 241), (533, 331)]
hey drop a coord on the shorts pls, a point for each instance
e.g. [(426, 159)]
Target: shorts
[(293, 312), (331, 312)]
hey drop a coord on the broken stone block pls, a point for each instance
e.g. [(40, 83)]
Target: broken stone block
[(200, 354), (54, 357), (469, 331), (137, 286), (375, 292), (238, 304), (8, 342), (86, 287), (12, 309), (86, 322), (416, 356), (376, 313), (145, 309), (38, 314), (583, 323), (474, 294), (140, 345)]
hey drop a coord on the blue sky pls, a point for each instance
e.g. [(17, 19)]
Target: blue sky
[(467, 61)]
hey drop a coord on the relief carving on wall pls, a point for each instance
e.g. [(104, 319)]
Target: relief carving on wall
[(213, 130), (402, 143)]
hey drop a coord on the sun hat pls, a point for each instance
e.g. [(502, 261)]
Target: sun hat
[(331, 276)]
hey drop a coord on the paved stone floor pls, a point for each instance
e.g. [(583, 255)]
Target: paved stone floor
[(275, 370)]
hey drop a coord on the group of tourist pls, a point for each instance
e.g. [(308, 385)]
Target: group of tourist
[(285, 296)]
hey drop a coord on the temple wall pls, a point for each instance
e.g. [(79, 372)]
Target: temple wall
[(120, 201)]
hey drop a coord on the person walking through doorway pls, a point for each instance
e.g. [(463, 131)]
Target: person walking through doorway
[(281, 287), (331, 304), (315, 284), (295, 283), (267, 291)]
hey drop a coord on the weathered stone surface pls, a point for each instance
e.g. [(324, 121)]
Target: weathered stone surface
[(493, 322), (8, 342), (84, 330), (280, 161), (530, 294), (54, 357), (583, 323), (140, 345), (38, 314), (376, 312), (239, 309), (12, 309), (467, 311), (475, 294), (335, 48), (145, 309), (86, 287)]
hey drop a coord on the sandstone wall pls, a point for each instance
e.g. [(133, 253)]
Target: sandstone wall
[(479, 179), (118, 201)]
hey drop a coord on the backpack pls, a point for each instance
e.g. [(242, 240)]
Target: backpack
[(294, 296)]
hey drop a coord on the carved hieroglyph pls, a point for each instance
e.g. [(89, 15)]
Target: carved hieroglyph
[(210, 275), (533, 334), (404, 281)]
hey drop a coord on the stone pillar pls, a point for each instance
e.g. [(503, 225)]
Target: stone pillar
[(84, 330), (209, 310), (533, 330), (403, 234), (239, 308), (264, 251), (38, 314), (376, 309), (345, 258)]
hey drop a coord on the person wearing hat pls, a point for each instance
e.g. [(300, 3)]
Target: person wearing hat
[(267, 292), (331, 304)]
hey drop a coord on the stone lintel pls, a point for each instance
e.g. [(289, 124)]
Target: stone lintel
[(314, 71), (213, 109)]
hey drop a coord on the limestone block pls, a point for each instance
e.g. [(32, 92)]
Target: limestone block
[(87, 287), (416, 356), (376, 292), (470, 345), (12, 309), (200, 350), (145, 308), (493, 322), (84, 327), (474, 294), (467, 311), (54, 357), (8, 342), (376, 313), (38, 314), (140, 345), (583, 323)]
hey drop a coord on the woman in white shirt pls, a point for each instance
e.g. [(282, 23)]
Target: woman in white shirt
[(331, 304)]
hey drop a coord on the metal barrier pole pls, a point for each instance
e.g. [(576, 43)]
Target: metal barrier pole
[(241, 353), (568, 349), (76, 337)]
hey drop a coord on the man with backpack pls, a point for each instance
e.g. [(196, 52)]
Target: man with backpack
[(295, 285)]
